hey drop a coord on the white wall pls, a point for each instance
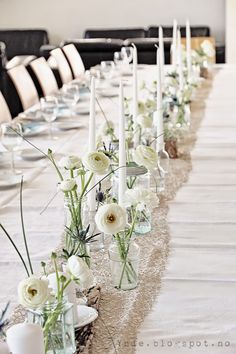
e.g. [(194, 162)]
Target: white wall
[(231, 31), (69, 18)]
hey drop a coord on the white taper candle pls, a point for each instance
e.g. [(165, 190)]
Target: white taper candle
[(188, 49), (174, 45), (180, 61), (135, 93), (92, 141), (159, 112), (162, 54), (122, 148)]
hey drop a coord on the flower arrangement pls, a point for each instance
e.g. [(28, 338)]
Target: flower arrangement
[(111, 218), (74, 181)]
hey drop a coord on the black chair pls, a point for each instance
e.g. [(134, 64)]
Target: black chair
[(23, 42), (196, 31), (93, 51), (147, 50), (118, 33)]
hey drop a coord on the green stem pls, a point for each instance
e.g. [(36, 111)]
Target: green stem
[(18, 252), (23, 227)]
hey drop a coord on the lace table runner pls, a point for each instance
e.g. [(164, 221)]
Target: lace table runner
[(122, 312)]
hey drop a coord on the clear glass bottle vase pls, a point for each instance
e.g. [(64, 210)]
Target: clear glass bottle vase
[(143, 223), (57, 322), (124, 254), (76, 224)]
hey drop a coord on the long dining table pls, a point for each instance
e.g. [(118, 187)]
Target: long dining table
[(195, 309)]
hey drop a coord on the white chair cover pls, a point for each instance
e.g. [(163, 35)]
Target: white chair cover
[(24, 86), (74, 59), (62, 65), (45, 76)]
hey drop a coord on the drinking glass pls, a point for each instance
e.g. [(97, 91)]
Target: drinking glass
[(11, 138), (128, 53), (70, 95), (119, 59), (49, 109), (107, 69)]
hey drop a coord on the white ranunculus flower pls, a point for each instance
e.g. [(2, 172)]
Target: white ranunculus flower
[(33, 292), (79, 270), (137, 195), (111, 218), (145, 120), (70, 162), (96, 162), (67, 185), (208, 48), (145, 156)]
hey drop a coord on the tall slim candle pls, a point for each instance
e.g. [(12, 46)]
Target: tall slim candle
[(25, 338), (174, 45), (188, 48), (92, 142), (135, 93), (159, 112), (122, 148), (180, 61), (162, 54)]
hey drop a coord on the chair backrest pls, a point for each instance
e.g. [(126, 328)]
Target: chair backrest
[(5, 115), (62, 65), (24, 85), (74, 59), (196, 44), (44, 76)]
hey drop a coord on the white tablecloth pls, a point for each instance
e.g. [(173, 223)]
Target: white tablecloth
[(197, 304), (196, 311)]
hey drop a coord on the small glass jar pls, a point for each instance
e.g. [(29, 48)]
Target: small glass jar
[(76, 221), (124, 255), (135, 176), (57, 321), (143, 223)]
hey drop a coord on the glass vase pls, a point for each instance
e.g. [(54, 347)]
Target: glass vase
[(135, 176), (143, 223), (76, 226), (57, 322), (124, 257)]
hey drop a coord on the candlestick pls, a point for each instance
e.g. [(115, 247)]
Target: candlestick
[(159, 112), (180, 61), (25, 338), (174, 44), (92, 143), (122, 148), (4, 349), (135, 94), (188, 49), (162, 54)]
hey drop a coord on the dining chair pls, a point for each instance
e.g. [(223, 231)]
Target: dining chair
[(74, 59), (24, 86), (62, 65), (45, 76), (5, 115)]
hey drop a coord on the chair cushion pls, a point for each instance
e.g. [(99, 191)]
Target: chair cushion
[(23, 42), (118, 33)]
